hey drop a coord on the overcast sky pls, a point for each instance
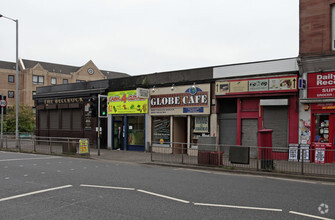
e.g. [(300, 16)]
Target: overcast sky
[(147, 36)]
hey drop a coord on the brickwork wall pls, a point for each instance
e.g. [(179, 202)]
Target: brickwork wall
[(315, 27)]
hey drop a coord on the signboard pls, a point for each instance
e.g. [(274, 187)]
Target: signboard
[(304, 152), (3, 103), (126, 102), (201, 124), (321, 85), (319, 155), (83, 146), (260, 85), (142, 93), (293, 152), (183, 100)]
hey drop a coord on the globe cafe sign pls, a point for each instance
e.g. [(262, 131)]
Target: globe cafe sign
[(187, 100)]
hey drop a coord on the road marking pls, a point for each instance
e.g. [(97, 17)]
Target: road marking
[(163, 196), (307, 215), (292, 180), (33, 193), (107, 187), (31, 158), (238, 207)]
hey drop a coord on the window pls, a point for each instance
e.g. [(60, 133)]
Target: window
[(65, 81), (333, 26), (53, 81), (34, 93), (78, 81), (322, 128), (136, 130), (10, 94), (11, 78), (161, 131), (38, 80)]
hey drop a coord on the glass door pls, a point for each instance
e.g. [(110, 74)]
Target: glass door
[(118, 133)]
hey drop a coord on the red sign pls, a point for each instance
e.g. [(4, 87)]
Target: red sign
[(321, 85)]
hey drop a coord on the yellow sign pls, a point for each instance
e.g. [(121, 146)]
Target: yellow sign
[(83, 146), (126, 102), (239, 86)]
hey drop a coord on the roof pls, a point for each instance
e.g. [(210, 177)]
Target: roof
[(256, 68), (7, 65), (51, 67), (66, 69)]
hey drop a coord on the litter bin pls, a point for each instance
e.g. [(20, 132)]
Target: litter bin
[(203, 157), (213, 158), (70, 147), (265, 149)]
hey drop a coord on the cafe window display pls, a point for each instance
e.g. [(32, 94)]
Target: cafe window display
[(161, 131)]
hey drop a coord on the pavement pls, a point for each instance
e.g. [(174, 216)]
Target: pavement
[(145, 158), (120, 155)]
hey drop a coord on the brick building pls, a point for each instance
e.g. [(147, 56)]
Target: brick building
[(33, 74), (317, 70)]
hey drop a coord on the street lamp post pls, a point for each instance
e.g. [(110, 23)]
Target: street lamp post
[(17, 80)]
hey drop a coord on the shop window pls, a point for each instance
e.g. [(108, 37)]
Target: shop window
[(161, 131), (65, 81), (322, 128), (66, 119), (136, 130), (43, 120), (200, 127), (228, 106), (76, 119), (54, 119)]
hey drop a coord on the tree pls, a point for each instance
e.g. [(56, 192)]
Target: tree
[(26, 119)]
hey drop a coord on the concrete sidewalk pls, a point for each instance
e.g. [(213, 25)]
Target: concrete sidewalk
[(120, 155)]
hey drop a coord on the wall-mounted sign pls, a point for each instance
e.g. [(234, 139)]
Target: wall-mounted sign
[(261, 85), (321, 85), (182, 100), (63, 101), (142, 93), (201, 124), (126, 102)]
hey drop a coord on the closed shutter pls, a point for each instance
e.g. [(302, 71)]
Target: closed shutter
[(76, 119), (54, 119), (276, 118), (228, 130), (43, 120), (66, 119)]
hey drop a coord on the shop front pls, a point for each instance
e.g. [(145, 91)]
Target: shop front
[(320, 94), (179, 116), (246, 106), (127, 120)]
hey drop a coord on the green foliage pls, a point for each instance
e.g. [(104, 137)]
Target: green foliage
[(26, 119)]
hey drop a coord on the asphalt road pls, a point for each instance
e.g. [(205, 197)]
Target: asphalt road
[(52, 187)]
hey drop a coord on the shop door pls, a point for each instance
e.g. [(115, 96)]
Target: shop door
[(118, 133), (250, 135), (179, 135)]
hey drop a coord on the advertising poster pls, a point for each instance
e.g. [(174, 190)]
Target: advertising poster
[(257, 85), (83, 146), (293, 152), (319, 155), (126, 102), (304, 152), (201, 124)]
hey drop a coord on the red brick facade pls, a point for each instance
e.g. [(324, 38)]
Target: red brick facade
[(315, 27)]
